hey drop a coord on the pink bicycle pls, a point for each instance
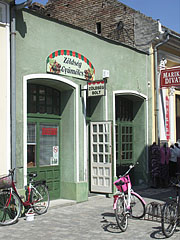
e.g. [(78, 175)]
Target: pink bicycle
[(37, 198), (126, 201)]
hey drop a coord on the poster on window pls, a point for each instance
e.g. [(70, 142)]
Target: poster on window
[(55, 158)]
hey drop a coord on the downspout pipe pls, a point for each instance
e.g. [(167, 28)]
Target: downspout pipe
[(13, 78), (157, 85)]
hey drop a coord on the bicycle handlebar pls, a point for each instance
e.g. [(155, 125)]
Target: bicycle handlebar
[(126, 173), (130, 167), (11, 171), (175, 184)]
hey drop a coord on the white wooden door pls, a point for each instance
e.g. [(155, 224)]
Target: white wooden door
[(101, 156)]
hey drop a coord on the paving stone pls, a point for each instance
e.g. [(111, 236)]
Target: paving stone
[(93, 219)]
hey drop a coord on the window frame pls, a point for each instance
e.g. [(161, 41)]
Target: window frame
[(34, 100), (39, 121)]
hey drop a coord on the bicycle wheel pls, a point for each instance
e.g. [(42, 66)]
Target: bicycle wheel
[(120, 213), (169, 218), (10, 207), (137, 206), (40, 198)]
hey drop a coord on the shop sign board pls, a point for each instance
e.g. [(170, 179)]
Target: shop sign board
[(70, 63), (96, 88), (170, 77), (167, 119)]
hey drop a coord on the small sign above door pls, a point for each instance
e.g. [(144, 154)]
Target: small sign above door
[(70, 63), (96, 88)]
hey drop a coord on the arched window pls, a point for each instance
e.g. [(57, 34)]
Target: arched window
[(43, 99)]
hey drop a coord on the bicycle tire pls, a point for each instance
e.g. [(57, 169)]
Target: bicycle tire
[(137, 206), (120, 213), (169, 218), (40, 198), (10, 208)]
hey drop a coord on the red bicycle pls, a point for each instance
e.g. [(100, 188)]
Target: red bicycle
[(36, 198)]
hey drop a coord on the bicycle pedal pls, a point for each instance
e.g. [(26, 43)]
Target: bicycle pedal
[(128, 212)]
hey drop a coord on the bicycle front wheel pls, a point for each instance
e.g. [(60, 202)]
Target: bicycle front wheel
[(120, 213), (137, 206), (40, 198), (10, 207), (169, 218)]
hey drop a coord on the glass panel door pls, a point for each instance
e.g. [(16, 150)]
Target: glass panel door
[(124, 143), (101, 157), (49, 145), (43, 152)]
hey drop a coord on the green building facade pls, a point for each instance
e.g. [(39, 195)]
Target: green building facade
[(84, 108)]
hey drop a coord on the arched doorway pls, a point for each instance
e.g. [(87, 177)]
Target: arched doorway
[(131, 134), (43, 134), (50, 129)]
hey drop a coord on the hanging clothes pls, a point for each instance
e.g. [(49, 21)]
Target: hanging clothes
[(155, 165), (165, 155)]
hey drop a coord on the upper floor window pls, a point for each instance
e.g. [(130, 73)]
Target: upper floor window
[(98, 27), (3, 13), (42, 99)]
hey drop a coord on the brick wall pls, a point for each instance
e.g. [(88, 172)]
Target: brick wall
[(116, 20)]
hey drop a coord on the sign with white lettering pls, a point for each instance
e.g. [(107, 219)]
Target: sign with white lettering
[(170, 77), (167, 119), (70, 63), (96, 88)]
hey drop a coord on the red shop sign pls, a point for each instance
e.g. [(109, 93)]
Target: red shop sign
[(49, 131), (167, 119), (170, 77)]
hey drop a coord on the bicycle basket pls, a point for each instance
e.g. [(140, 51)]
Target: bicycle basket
[(6, 182), (124, 187)]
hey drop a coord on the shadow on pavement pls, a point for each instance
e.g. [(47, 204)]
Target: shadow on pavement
[(157, 234), (109, 223), (161, 194)]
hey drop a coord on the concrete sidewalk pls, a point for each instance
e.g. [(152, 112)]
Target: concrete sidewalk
[(93, 219)]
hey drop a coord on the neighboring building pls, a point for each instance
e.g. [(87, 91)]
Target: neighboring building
[(5, 146), (116, 21), (107, 18), (168, 83), (76, 140)]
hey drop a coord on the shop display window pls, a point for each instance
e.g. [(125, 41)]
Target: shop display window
[(49, 142)]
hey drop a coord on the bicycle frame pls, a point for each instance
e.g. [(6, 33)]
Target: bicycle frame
[(128, 200), (28, 201), (119, 194)]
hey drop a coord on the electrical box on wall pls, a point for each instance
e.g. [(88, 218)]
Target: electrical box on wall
[(105, 73)]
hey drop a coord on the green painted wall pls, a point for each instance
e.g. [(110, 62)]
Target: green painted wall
[(36, 38)]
